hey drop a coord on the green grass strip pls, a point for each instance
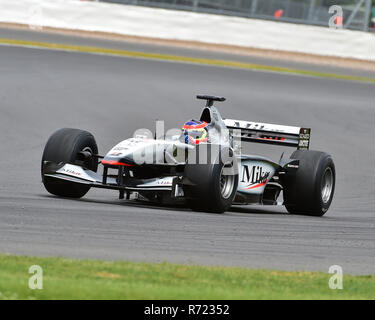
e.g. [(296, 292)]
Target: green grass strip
[(85, 279), (166, 57)]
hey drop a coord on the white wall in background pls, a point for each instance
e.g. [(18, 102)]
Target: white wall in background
[(180, 25)]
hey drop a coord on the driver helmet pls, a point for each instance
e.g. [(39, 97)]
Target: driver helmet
[(195, 132)]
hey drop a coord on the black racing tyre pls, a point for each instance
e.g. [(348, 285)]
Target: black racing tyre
[(64, 146), (213, 184), (310, 190)]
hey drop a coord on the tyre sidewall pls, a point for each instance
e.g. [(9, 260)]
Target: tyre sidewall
[(205, 193), (63, 147), (304, 192), (320, 206)]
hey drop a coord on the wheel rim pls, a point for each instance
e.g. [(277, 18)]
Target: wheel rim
[(88, 162), (327, 185), (226, 183), (87, 149)]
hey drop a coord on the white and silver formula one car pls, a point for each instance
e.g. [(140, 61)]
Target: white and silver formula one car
[(201, 167)]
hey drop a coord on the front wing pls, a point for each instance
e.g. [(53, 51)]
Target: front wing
[(77, 174)]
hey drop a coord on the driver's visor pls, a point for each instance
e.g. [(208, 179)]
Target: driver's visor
[(196, 136)]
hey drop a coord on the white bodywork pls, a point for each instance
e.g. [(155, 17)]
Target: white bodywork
[(150, 151), (276, 128), (254, 176)]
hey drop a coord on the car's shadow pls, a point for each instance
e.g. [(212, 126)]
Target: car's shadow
[(170, 207), (127, 203), (257, 209)]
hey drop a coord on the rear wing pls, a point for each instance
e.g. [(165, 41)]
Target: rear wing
[(270, 133)]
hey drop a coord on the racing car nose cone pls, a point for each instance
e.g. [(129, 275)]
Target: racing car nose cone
[(117, 161)]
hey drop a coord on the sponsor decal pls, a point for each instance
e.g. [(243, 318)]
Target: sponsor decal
[(294, 166), (164, 182), (304, 139), (255, 177), (249, 125), (70, 171), (116, 154)]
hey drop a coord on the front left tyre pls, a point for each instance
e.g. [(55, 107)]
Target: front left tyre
[(64, 146)]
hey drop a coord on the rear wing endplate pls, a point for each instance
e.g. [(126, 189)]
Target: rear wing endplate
[(270, 133)]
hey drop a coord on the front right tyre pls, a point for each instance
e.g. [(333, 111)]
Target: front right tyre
[(213, 185)]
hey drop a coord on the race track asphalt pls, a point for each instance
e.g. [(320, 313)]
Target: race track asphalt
[(43, 90)]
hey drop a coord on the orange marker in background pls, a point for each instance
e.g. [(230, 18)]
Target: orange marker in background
[(339, 21), (278, 13)]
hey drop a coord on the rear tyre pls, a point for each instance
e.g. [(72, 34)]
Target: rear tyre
[(64, 146), (310, 190), (214, 184)]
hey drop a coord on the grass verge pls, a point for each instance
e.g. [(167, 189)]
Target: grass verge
[(87, 279), (192, 60)]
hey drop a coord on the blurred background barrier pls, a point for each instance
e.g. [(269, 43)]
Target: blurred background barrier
[(186, 26), (357, 14)]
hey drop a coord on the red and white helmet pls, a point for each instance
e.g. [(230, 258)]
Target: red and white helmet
[(195, 132)]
